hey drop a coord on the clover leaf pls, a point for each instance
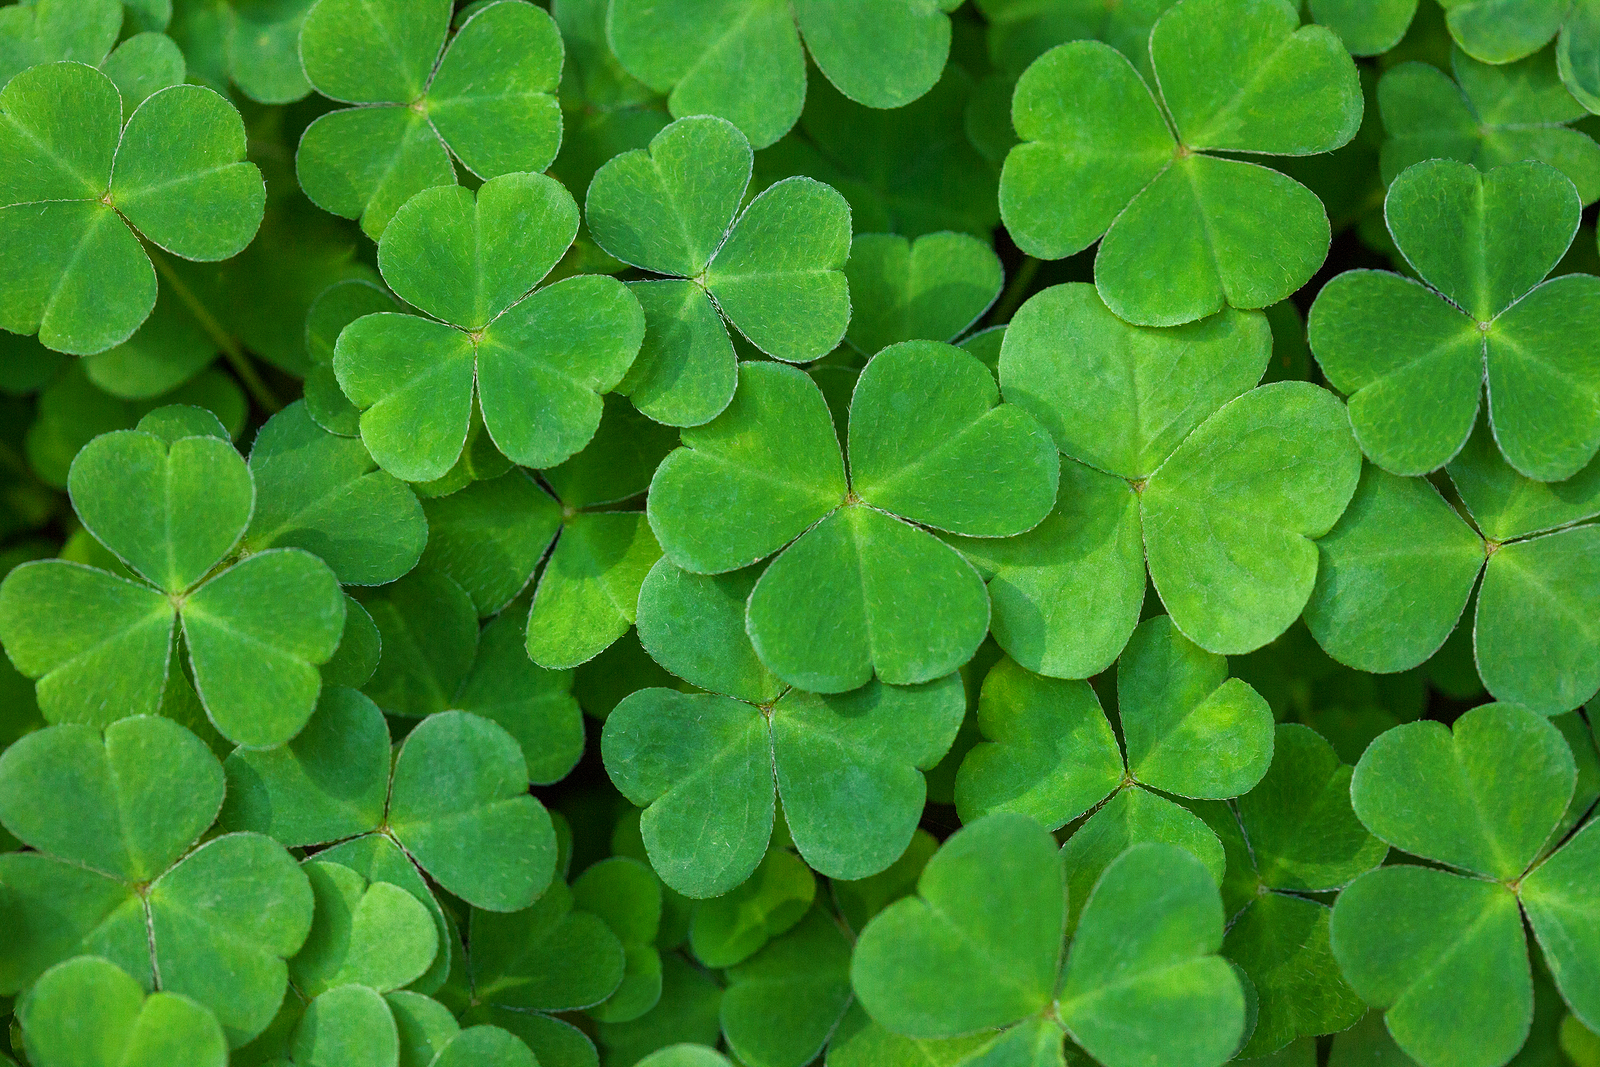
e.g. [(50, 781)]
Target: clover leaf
[(329, 313), (1298, 836), (741, 60), (1401, 349), (428, 626), (485, 99), (1229, 485), (455, 800), (701, 760), (979, 947), (1367, 29), (769, 471), (1578, 54), (727, 930), (1234, 76), (1398, 569), (79, 189), (1047, 750), (87, 1012), (773, 271), (1493, 116), (1483, 798), (535, 363), (325, 494), (932, 289), (627, 897), (173, 510), (118, 873)]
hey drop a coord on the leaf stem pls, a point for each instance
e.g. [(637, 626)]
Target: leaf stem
[(1016, 289), (235, 354)]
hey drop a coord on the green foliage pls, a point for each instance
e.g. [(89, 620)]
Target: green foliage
[(597, 533)]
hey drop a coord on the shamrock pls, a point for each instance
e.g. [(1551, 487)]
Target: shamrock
[(254, 44), (1179, 242), (455, 803), (911, 171), (87, 1012), (858, 591), (171, 501), (687, 1012), (773, 271), (1481, 798), (117, 872), (1228, 485), (486, 100), (1292, 836), (1494, 116), (932, 289), (1416, 359), (1578, 53), (980, 947), (534, 363), (79, 189), (707, 766), (1048, 751), (329, 313), (741, 60), (1400, 567)]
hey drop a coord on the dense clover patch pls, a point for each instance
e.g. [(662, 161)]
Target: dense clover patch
[(799, 533)]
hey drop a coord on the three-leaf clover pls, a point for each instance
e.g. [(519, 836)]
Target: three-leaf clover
[(1020, 31), (118, 873), (88, 31), (455, 802), (534, 362), (706, 766), (486, 99), (1481, 799), (1228, 485), (87, 1012), (857, 590), (1186, 232), (1416, 359), (171, 501), (980, 947), (741, 60), (774, 270), (1399, 569), (1495, 115), (79, 189), (1367, 27), (1048, 751)]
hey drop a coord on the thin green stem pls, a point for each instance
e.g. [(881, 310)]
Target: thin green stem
[(229, 345), (1016, 289)]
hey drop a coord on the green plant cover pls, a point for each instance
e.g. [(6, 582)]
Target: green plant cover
[(73, 210), (484, 100), (931, 289), (1165, 207)]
